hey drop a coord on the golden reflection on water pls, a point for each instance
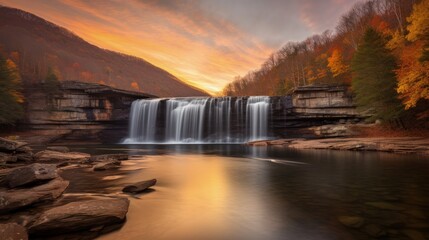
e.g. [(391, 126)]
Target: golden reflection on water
[(196, 197)]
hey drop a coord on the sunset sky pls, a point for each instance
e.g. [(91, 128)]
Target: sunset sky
[(205, 43)]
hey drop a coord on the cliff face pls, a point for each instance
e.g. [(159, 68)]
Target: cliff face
[(99, 113), (82, 111)]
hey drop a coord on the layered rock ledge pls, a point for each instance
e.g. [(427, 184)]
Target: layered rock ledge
[(417, 145)]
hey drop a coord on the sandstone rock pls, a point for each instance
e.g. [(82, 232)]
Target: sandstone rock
[(7, 145), (139, 187), (7, 158), (31, 174), (83, 215), (58, 149), (14, 199), (110, 164), (48, 155), (105, 157), (13, 231), (351, 221)]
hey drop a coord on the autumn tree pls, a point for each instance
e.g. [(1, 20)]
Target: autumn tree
[(11, 98), (374, 82), (413, 72)]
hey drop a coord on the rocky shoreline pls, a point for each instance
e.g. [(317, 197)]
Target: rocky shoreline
[(403, 145), (32, 203)]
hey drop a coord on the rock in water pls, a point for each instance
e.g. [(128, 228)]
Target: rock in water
[(112, 164), (31, 174), (48, 155), (15, 199), (7, 145), (13, 231), (78, 216), (140, 186), (58, 149)]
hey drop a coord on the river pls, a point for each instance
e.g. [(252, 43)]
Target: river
[(240, 192)]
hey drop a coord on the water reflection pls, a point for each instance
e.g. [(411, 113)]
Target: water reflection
[(238, 192)]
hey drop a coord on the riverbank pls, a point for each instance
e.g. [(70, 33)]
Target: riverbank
[(403, 145), (34, 198)]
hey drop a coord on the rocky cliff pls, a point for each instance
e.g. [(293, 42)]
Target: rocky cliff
[(312, 106), (81, 111)]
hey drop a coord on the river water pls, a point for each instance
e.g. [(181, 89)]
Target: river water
[(240, 192)]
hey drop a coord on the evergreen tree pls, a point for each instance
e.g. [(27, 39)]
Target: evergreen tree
[(51, 84), (11, 98), (374, 82)]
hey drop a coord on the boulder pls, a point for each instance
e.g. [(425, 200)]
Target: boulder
[(48, 155), (15, 199), (58, 149), (81, 215), (7, 145), (7, 158), (31, 174), (111, 164), (106, 157), (13, 231), (139, 187)]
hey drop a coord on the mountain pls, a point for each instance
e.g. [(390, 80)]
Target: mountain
[(37, 45)]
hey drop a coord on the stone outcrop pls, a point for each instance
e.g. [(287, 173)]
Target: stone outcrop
[(81, 215), (139, 186), (31, 174), (311, 106), (106, 165), (15, 199), (89, 111), (53, 156)]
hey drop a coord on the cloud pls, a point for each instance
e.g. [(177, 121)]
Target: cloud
[(205, 43)]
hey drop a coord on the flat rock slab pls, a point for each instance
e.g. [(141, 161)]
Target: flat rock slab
[(58, 149), (48, 155), (15, 199), (106, 157), (140, 186), (13, 231), (7, 145), (111, 164), (31, 174), (405, 145), (81, 215)]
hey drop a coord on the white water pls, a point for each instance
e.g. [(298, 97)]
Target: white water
[(199, 120)]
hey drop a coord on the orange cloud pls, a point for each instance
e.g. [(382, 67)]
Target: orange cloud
[(197, 48)]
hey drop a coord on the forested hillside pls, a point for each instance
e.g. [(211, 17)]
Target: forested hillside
[(37, 46), (379, 48)]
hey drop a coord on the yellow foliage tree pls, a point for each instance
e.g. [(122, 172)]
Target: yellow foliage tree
[(413, 73), (336, 63)]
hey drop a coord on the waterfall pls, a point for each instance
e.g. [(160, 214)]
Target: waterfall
[(143, 116), (257, 116), (185, 119), (199, 120)]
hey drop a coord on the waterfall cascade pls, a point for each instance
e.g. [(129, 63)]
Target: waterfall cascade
[(199, 120)]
